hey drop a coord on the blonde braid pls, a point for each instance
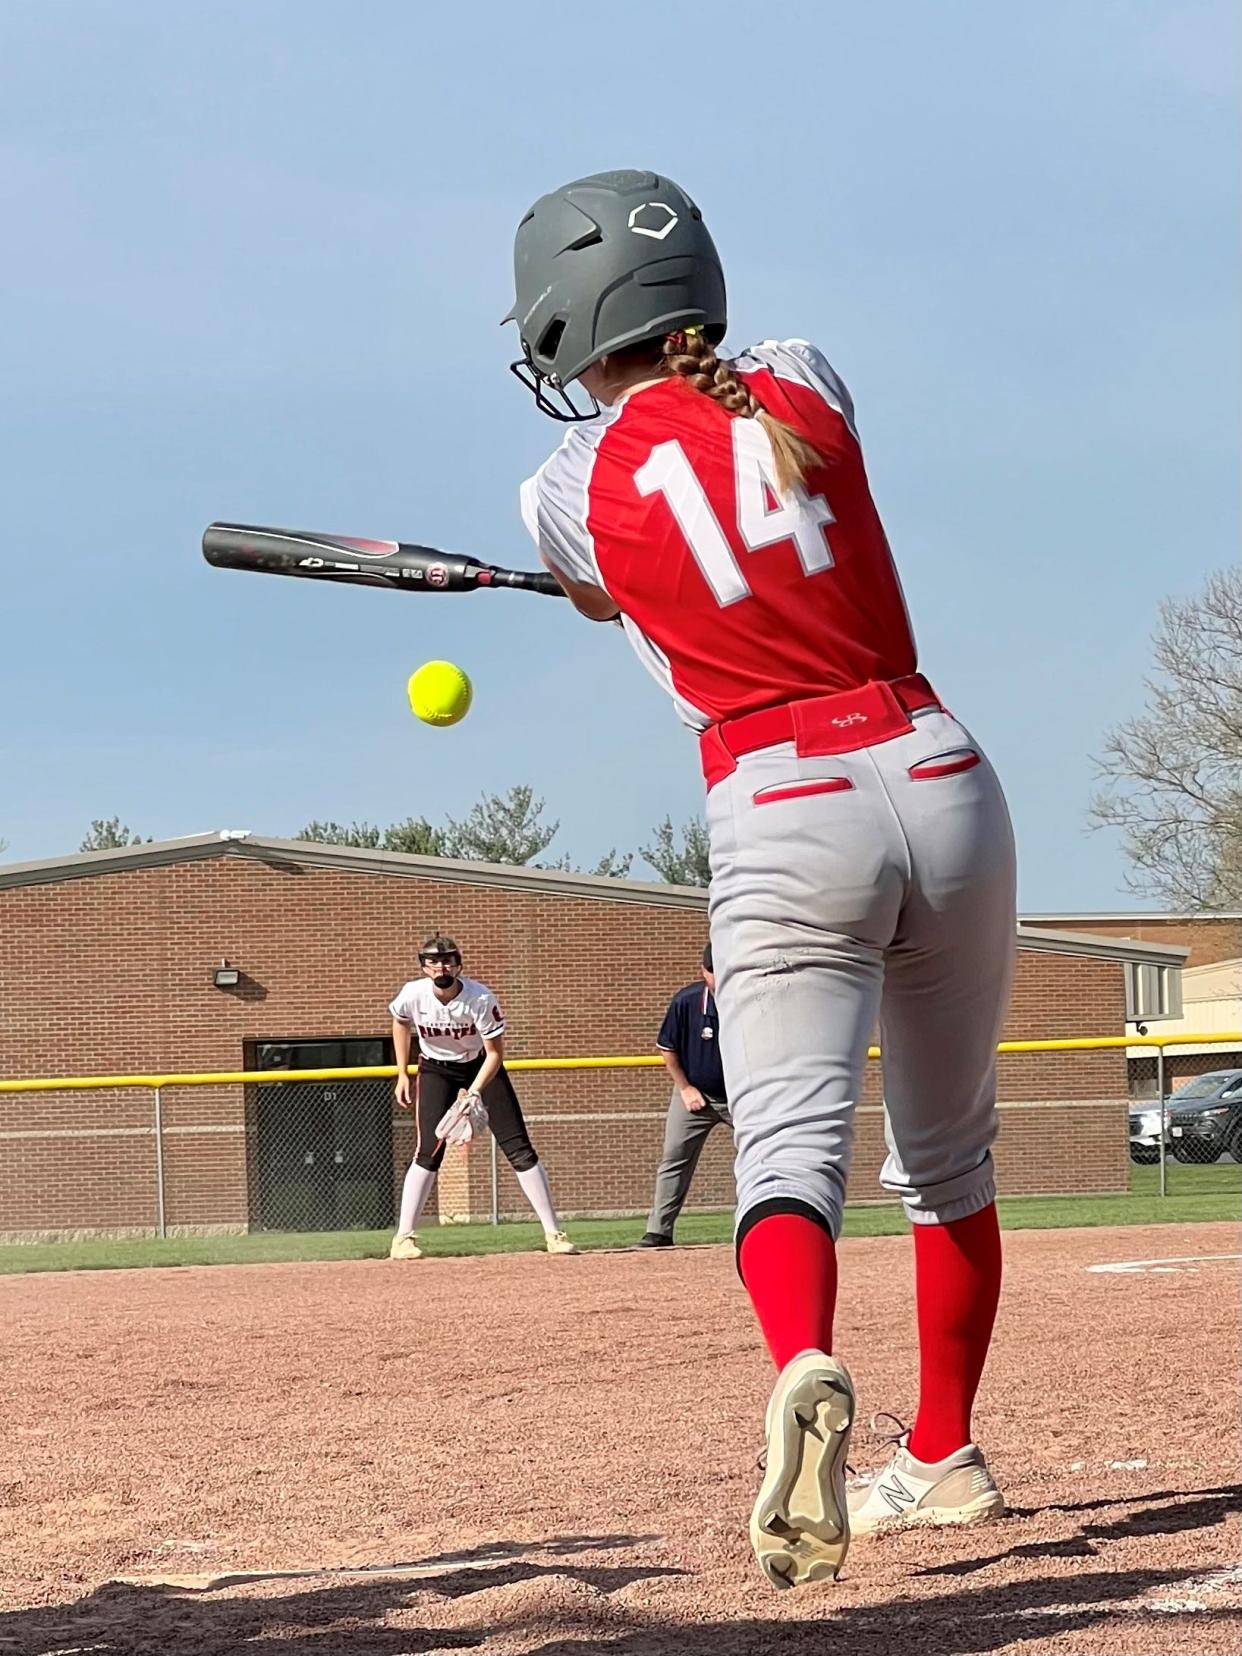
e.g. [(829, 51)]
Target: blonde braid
[(690, 355)]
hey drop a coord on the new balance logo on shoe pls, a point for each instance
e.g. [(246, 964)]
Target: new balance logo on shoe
[(897, 1495), (957, 1490)]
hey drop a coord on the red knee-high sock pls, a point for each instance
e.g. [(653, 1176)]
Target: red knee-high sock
[(957, 1277), (789, 1266)]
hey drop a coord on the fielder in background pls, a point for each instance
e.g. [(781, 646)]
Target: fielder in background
[(689, 1043), (461, 1054), (862, 861)]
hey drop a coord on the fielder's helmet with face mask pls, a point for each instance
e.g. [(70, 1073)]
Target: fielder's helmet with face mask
[(602, 263), (438, 945)]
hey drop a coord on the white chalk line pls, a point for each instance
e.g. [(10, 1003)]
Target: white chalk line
[(1186, 1265), (1210, 1583)]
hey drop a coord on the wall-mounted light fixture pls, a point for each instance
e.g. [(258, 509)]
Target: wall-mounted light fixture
[(226, 976)]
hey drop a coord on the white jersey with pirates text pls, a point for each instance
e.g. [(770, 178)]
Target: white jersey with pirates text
[(449, 1031)]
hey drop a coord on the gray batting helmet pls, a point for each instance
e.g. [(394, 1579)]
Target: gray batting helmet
[(609, 261)]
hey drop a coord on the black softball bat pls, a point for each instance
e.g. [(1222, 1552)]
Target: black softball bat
[(392, 564)]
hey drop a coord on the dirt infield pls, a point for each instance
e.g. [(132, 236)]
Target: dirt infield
[(562, 1453)]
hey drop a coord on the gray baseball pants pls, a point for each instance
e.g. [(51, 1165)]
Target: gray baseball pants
[(685, 1134), (872, 886)]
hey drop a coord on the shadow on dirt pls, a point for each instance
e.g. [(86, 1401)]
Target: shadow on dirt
[(121, 1619), (356, 1617), (566, 1545), (132, 1621), (1008, 1616), (1192, 1509)]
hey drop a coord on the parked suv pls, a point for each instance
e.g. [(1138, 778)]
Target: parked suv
[(1205, 1117), (1145, 1133)]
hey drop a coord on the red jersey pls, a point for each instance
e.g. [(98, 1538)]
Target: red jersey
[(734, 596)]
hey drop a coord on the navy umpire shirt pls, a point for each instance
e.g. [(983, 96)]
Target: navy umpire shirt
[(691, 1030)]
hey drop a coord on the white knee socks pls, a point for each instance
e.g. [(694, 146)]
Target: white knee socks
[(537, 1191), (419, 1183)]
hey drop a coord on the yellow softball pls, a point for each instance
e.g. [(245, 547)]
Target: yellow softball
[(440, 693)]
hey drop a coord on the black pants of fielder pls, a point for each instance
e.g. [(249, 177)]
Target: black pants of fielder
[(685, 1134), (438, 1087)]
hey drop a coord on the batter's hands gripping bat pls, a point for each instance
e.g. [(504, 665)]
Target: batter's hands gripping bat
[(390, 564)]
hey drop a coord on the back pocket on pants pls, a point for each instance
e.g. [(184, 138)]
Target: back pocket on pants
[(945, 764), (801, 790)]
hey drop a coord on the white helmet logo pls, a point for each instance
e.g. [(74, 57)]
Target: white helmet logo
[(652, 218)]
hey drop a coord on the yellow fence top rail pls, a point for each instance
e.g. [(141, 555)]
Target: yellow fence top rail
[(221, 1078)]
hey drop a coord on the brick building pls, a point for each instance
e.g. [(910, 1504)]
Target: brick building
[(108, 966), (1211, 1001), (1208, 937)]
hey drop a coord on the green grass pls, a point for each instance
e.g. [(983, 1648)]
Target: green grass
[(1216, 1178), (1197, 1193)]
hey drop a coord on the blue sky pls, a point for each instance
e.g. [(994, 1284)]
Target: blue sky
[(257, 256)]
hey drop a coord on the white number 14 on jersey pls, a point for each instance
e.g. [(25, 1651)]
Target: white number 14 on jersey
[(763, 517)]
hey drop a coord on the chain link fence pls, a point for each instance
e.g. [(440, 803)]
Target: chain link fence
[(273, 1149), (1186, 1121)]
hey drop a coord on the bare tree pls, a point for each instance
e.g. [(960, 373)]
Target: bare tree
[(1173, 774)]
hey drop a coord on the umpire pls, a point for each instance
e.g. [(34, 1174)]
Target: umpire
[(689, 1043)]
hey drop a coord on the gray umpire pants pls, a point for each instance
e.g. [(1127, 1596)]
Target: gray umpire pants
[(685, 1134), (873, 886)]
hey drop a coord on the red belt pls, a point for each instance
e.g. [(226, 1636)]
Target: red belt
[(821, 725)]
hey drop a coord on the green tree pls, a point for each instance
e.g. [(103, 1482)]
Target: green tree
[(680, 857), (415, 836), (1173, 774), (502, 828), (613, 865), (109, 834), (364, 835)]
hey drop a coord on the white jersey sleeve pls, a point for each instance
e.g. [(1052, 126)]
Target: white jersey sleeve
[(555, 504), (804, 364), (404, 1006), (488, 1018)]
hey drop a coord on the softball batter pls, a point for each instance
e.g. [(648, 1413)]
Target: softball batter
[(862, 857), (461, 1052)]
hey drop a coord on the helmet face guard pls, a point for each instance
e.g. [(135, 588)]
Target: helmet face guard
[(608, 261), (439, 950), (550, 398)]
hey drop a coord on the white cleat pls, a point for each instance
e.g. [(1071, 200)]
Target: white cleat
[(800, 1526), (556, 1242), (405, 1247), (956, 1490)]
